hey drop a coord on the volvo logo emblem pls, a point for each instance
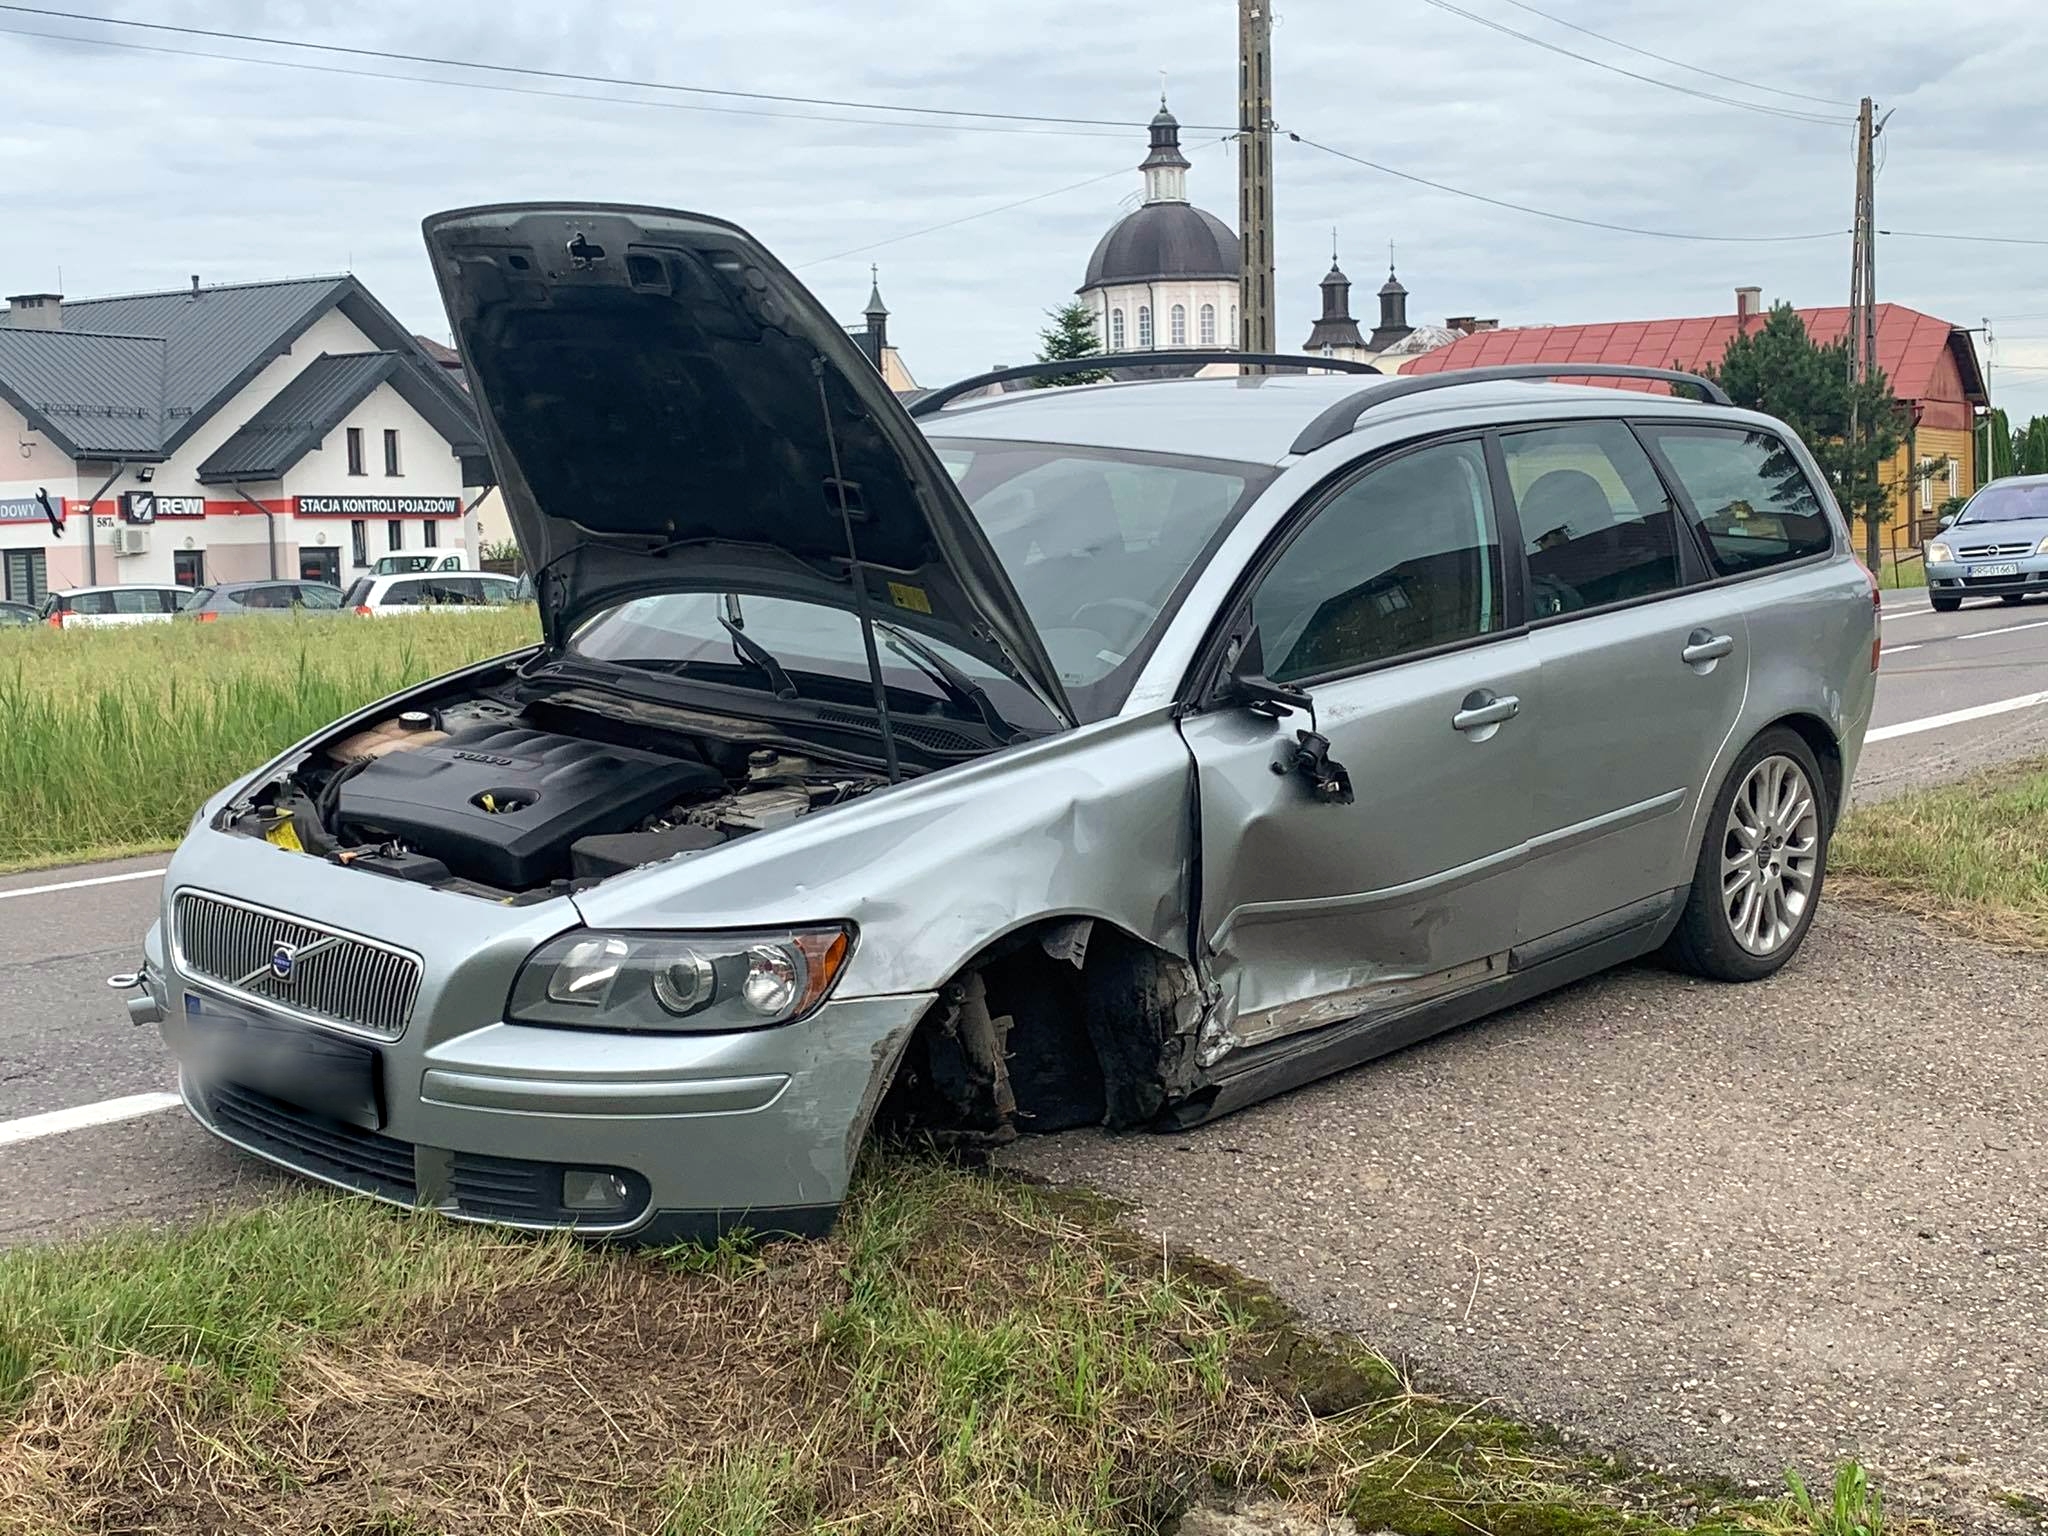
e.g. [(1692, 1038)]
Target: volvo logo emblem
[(287, 960)]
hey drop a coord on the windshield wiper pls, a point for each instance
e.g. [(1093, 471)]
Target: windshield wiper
[(762, 659), (955, 684)]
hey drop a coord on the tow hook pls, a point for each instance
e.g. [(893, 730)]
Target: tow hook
[(145, 1009)]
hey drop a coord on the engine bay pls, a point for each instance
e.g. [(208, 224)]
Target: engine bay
[(486, 796)]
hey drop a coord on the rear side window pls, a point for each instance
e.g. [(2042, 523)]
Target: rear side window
[(313, 595), (403, 594), (1755, 504), (139, 600), (90, 602), (1404, 559), (1597, 525)]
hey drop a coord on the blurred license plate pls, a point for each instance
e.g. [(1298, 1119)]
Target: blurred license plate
[(2003, 568), (306, 1067)]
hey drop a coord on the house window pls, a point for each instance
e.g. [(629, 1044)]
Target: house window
[(391, 451), (430, 534), (355, 451), (1955, 472), (394, 535), (188, 567), (1177, 325), (1144, 327), (1236, 335), (1116, 330), (24, 578), (359, 542), (1208, 332)]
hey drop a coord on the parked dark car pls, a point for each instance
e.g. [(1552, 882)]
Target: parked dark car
[(233, 599), (18, 613)]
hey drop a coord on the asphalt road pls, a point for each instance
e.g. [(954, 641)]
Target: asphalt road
[(1524, 1141)]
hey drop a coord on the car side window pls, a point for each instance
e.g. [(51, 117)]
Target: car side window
[(91, 603), (403, 594), (1597, 524), (1405, 558), (1755, 504), (137, 600), (313, 595), (264, 597)]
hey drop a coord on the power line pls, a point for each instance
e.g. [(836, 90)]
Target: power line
[(437, 61), (1712, 74), (920, 125), (1791, 113), (1922, 234), (1564, 218)]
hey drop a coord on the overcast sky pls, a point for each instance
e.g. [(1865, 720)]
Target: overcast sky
[(131, 169)]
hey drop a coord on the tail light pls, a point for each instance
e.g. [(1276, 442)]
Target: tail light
[(57, 619), (1876, 617), (363, 609), (206, 618)]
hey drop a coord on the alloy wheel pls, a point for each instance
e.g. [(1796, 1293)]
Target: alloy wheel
[(1770, 855)]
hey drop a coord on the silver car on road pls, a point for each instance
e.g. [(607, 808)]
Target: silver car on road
[(1117, 755)]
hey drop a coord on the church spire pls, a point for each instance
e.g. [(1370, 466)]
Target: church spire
[(1336, 332), (1165, 168)]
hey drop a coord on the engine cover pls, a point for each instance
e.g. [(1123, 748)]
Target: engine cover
[(502, 804)]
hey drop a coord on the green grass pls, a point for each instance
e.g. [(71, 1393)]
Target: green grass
[(967, 1354), (1897, 574), (113, 737), (1972, 853)]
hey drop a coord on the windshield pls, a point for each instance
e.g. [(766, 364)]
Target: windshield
[(2015, 503), (1099, 546)]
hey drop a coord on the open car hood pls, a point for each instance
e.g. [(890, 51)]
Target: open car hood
[(669, 410)]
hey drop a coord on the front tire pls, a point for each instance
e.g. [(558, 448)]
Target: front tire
[(1946, 604), (1758, 880)]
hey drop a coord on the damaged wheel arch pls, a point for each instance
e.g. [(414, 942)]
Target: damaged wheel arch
[(1063, 1022)]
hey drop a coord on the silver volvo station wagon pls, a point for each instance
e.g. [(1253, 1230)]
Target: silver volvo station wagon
[(1119, 754)]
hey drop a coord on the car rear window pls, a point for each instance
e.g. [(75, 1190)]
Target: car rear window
[(196, 598), (1754, 503), (357, 594)]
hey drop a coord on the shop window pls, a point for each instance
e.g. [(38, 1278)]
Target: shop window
[(188, 567), (23, 577)]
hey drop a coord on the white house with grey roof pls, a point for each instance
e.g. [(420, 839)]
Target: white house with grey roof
[(224, 433)]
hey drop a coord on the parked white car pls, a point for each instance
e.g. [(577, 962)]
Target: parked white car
[(131, 603), (376, 596)]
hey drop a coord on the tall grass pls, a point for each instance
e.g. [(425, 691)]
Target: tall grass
[(111, 738)]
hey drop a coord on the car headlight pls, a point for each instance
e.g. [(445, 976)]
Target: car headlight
[(2041, 548), (1940, 551), (708, 982)]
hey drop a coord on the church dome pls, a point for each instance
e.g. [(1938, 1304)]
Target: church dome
[(1164, 240)]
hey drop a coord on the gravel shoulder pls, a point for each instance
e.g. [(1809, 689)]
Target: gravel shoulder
[(1725, 1229)]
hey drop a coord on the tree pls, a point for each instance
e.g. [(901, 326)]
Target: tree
[(1779, 370), (2030, 447), (1071, 335), (2000, 432)]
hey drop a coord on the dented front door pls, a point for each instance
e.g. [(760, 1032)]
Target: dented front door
[(1388, 607)]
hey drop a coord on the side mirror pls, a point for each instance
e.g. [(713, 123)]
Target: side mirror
[(1248, 687), (1946, 519)]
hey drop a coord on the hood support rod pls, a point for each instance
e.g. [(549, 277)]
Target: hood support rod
[(860, 583), (269, 526)]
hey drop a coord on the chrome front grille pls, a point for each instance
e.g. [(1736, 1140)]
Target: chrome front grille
[(283, 963), (1994, 551)]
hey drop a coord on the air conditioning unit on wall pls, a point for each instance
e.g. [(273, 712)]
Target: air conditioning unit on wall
[(131, 541)]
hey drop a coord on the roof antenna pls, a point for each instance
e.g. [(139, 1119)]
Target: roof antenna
[(860, 584)]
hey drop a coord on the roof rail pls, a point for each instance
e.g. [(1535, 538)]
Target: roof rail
[(932, 401), (1341, 419)]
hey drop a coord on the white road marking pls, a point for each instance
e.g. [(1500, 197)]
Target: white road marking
[(1902, 613), (1900, 650), (107, 1112), (2010, 629), (1956, 717), (79, 885)]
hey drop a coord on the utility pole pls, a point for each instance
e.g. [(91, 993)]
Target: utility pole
[(1255, 176), (1862, 328)]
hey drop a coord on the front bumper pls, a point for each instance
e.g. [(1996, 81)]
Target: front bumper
[(701, 1134), (1952, 578), (482, 1119)]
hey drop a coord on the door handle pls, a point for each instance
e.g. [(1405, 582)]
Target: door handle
[(1704, 645), (1482, 707)]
